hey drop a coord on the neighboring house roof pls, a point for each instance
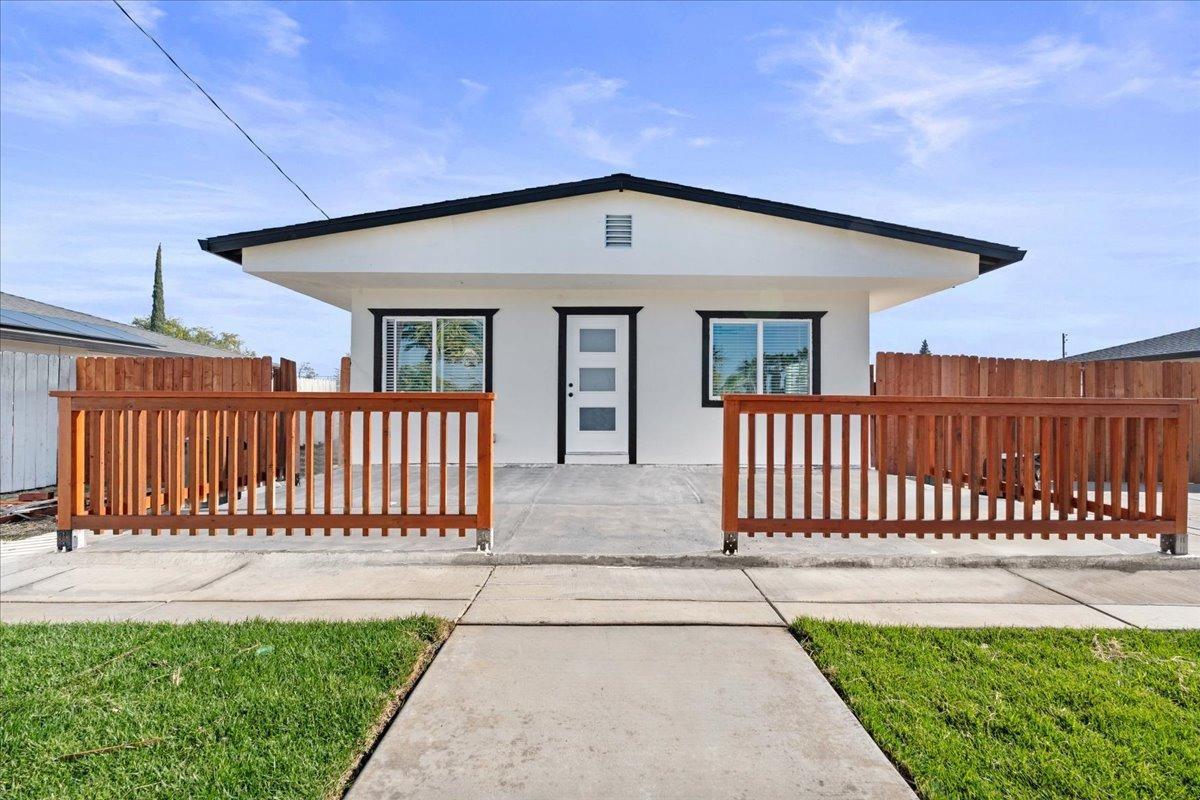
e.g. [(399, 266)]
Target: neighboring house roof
[(24, 319), (991, 255), (1181, 344)]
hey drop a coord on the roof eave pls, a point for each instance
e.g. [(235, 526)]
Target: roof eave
[(991, 255)]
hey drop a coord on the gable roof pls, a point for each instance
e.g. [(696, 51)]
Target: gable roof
[(32, 320), (1181, 344), (991, 255)]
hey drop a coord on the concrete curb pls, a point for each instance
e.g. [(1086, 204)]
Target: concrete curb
[(1119, 562)]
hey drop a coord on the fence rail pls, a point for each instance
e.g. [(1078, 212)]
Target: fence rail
[(909, 375), (982, 467), (179, 461)]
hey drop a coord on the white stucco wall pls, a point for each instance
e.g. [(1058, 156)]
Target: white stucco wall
[(686, 256), (561, 243), (672, 426)]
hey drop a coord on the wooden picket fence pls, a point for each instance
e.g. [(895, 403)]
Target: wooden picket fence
[(992, 466), (166, 461), (909, 375), (176, 374)]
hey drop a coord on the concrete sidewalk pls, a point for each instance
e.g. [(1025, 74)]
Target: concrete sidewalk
[(590, 712), (182, 587), (575, 681)]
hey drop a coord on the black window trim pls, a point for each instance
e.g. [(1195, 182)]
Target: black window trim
[(706, 318), (485, 313)]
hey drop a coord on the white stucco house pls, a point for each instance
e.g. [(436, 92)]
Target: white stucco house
[(609, 315)]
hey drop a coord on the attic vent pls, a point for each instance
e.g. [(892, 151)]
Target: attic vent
[(618, 230)]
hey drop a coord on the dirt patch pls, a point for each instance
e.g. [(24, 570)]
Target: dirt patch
[(23, 529)]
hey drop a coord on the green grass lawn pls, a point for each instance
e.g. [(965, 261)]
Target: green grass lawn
[(257, 709), (1023, 713)]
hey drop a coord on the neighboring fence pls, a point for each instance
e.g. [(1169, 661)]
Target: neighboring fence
[(178, 374), (318, 384), (1029, 472), (909, 375), (29, 417), (165, 457), (184, 374)]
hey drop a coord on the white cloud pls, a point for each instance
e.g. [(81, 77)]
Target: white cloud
[(655, 132), (874, 80), (700, 142), (78, 97), (145, 12), (271, 101), (280, 31), (870, 79), (473, 92), (115, 68), (593, 116), (557, 110)]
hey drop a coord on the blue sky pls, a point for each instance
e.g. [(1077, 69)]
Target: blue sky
[(1072, 130)]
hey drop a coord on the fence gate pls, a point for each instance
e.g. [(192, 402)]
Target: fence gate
[(981, 467), (188, 461)]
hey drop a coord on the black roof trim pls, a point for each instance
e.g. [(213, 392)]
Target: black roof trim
[(991, 255)]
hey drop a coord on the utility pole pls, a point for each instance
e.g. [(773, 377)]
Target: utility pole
[(1064, 345)]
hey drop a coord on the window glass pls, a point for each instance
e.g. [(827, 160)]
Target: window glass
[(597, 419), (597, 340), (785, 357), (460, 354), (734, 358), (442, 354), (414, 356), (597, 379)]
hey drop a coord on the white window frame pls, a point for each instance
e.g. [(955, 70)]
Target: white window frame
[(433, 353), (757, 322)]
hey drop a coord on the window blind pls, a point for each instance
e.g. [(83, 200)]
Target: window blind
[(759, 357), (444, 354), (734, 357)]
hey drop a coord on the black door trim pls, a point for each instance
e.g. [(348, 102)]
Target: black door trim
[(596, 311)]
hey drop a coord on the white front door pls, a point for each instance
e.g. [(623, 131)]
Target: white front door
[(597, 388)]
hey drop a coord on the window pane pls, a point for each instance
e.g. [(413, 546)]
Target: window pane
[(597, 419), (785, 357), (734, 358), (597, 340), (460, 355), (414, 356), (597, 379)]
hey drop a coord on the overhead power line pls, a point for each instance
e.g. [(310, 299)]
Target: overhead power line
[(217, 105)]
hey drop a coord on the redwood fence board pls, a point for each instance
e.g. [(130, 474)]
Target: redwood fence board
[(208, 459), (1027, 465), (906, 374), (128, 430)]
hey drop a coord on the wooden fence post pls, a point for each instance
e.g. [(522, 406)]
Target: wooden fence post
[(730, 469), (70, 471), (483, 468), (1177, 437)]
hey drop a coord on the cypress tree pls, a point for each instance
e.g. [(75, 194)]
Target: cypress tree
[(158, 311), (924, 351)]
